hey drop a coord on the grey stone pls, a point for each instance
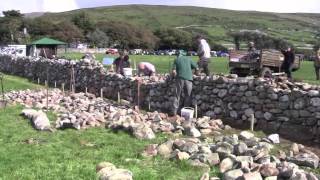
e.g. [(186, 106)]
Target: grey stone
[(252, 176), (213, 159), (240, 148), (305, 159), (269, 170), (299, 103), (315, 102), (275, 139), (267, 116), (246, 135), (233, 174), (284, 98), (190, 147), (226, 165), (182, 156)]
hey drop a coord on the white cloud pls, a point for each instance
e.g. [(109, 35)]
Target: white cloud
[(312, 6), (38, 5)]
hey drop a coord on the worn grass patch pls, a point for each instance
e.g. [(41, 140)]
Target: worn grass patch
[(71, 154)]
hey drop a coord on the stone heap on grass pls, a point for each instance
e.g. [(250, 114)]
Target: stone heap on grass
[(84, 110), (242, 156)]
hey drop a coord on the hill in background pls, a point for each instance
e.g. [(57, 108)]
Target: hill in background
[(297, 28)]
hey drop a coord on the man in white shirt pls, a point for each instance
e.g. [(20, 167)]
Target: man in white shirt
[(204, 54)]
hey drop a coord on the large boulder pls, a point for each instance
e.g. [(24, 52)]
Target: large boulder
[(305, 159), (39, 119)]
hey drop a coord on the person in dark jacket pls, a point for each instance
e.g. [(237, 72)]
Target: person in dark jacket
[(121, 62), (288, 62)]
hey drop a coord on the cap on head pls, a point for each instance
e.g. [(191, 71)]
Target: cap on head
[(251, 43)]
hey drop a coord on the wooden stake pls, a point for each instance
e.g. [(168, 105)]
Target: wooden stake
[(38, 80), (62, 86), (138, 103), (118, 97), (149, 104), (196, 110), (101, 92), (55, 84), (252, 122), (47, 94), (86, 90)]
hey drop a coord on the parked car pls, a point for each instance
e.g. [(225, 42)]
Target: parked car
[(111, 51), (222, 54), (213, 53)]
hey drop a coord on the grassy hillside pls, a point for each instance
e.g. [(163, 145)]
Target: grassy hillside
[(297, 28)]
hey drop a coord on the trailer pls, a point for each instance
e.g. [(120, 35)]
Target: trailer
[(263, 63)]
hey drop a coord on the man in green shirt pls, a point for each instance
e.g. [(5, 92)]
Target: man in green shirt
[(182, 70)]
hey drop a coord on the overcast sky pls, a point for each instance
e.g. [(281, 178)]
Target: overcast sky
[(311, 6)]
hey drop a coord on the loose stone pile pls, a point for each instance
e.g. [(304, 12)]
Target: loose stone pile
[(242, 156), (84, 110)]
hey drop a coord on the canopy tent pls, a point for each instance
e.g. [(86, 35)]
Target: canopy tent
[(45, 47)]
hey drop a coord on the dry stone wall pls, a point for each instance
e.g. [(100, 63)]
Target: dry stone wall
[(275, 102)]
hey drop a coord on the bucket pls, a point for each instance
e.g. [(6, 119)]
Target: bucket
[(127, 72), (187, 112)]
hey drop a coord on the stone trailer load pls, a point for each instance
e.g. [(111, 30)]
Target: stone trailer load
[(261, 63)]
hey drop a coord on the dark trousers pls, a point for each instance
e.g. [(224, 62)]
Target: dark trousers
[(287, 69), (317, 69), (203, 66), (182, 85)]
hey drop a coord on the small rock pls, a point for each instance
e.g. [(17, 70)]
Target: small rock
[(226, 165), (271, 178), (233, 174), (274, 138), (205, 176), (305, 159), (150, 150), (295, 148), (183, 156), (213, 159), (268, 170), (240, 149), (107, 165), (252, 176), (246, 135), (194, 132), (117, 174)]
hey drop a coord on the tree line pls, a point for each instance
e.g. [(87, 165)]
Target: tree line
[(83, 28)]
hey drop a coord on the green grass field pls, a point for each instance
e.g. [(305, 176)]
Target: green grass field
[(217, 65), (17, 83), (65, 154)]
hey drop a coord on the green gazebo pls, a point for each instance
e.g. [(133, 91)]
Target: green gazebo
[(44, 47)]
